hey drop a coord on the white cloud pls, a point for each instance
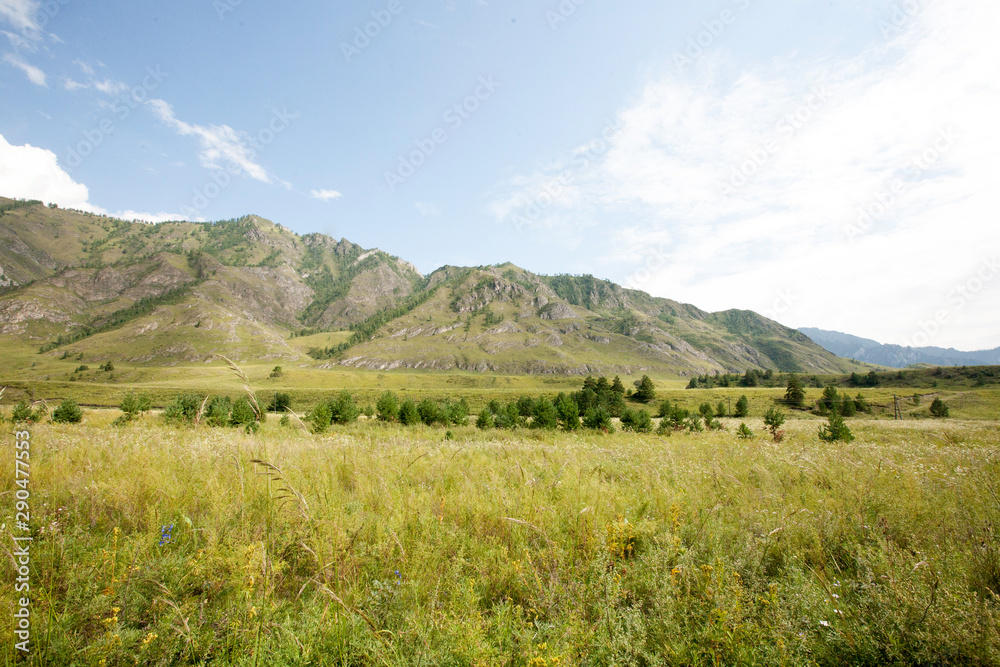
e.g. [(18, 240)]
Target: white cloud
[(325, 195), (817, 143), (30, 172), (222, 147), (20, 13), (35, 75)]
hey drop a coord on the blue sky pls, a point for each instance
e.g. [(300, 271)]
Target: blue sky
[(827, 164)]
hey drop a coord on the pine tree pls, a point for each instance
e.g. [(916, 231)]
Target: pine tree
[(795, 395), (387, 407), (645, 390), (408, 414), (742, 407)]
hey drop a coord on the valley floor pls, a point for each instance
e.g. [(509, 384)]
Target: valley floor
[(375, 544)]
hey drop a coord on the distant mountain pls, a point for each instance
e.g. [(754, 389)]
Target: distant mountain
[(85, 286), (895, 356)]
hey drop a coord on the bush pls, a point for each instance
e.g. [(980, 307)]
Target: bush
[(22, 413), (387, 407), (320, 417), (408, 413), (598, 419), (742, 407), (133, 405), (835, 430), (720, 409), (546, 415), (219, 410), (244, 416), (569, 412), (428, 411), (68, 412), (637, 421), (773, 419), (343, 409), (645, 391), (280, 402), (938, 409), (744, 432), (82, 368), (458, 413), (485, 420), (183, 410)]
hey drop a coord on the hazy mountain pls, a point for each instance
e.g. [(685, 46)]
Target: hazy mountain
[(895, 356), (74, 283)]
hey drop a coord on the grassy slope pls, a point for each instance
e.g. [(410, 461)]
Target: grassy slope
[(525, 548)]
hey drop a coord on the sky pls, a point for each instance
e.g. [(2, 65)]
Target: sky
[(827, 164)]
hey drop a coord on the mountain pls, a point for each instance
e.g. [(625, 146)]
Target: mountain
[(895, 356), (76, 284)]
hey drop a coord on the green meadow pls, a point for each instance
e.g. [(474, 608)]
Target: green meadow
[(377, 544)]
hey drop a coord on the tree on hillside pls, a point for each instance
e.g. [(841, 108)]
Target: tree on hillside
[(645, 391), (617, 386), (938, 408)]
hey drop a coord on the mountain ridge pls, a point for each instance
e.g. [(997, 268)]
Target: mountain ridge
[(896, 356), (181, 292)]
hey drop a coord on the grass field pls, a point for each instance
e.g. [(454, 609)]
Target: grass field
[(378, 545)]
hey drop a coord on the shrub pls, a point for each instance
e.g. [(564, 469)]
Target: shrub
[(218, 411), (428, 411), (485, 420), (458, 413), (387, 407), (795, 395), (830, 401), (569, 412), (108, 367), (848, 408), (546, 415), (22, 413), (277, 373), (693, 424), (183, 409), (665, 409), (744, 432), (598, 419), (742, 407), (280, 402), (68, 412), (82, 368), (244, 416), (637, 421), (773, 419), (645, 391), (835, 430), (720, 409), (408, 413), (938, 409), (343, 409), (525, 406), (320, 417), (706, 410)]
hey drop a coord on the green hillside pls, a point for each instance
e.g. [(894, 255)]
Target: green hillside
[(77, 286)]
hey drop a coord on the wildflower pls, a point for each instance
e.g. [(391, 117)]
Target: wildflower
[(253, 611), (148, 639)]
